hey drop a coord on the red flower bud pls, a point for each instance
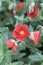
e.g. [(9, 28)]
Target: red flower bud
[(36, 36), (14, 48), (20, 6), (9, 43), (35, 13)]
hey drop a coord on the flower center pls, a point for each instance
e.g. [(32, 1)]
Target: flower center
[(22, 32)]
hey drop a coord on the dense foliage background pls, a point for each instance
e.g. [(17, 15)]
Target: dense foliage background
[(27, 52)]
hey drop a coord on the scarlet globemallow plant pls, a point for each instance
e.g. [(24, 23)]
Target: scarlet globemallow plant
[(24, 44)]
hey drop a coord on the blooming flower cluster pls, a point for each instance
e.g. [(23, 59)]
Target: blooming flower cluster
[(20, 33)]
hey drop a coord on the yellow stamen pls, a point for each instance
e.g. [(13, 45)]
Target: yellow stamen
[(22, 32)]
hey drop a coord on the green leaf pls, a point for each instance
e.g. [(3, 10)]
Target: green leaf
[(18, 63), (1, 50), (36, 57), (3, 29), (21, 46), (18, 55), (42, 63), (40, 55), (31, 28)]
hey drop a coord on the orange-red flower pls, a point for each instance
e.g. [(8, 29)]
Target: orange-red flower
[(20, 6), (11, 44), (20, 32), (35, 13), (35, 37)]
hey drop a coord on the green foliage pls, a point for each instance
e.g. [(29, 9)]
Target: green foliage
[(27, 53)]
